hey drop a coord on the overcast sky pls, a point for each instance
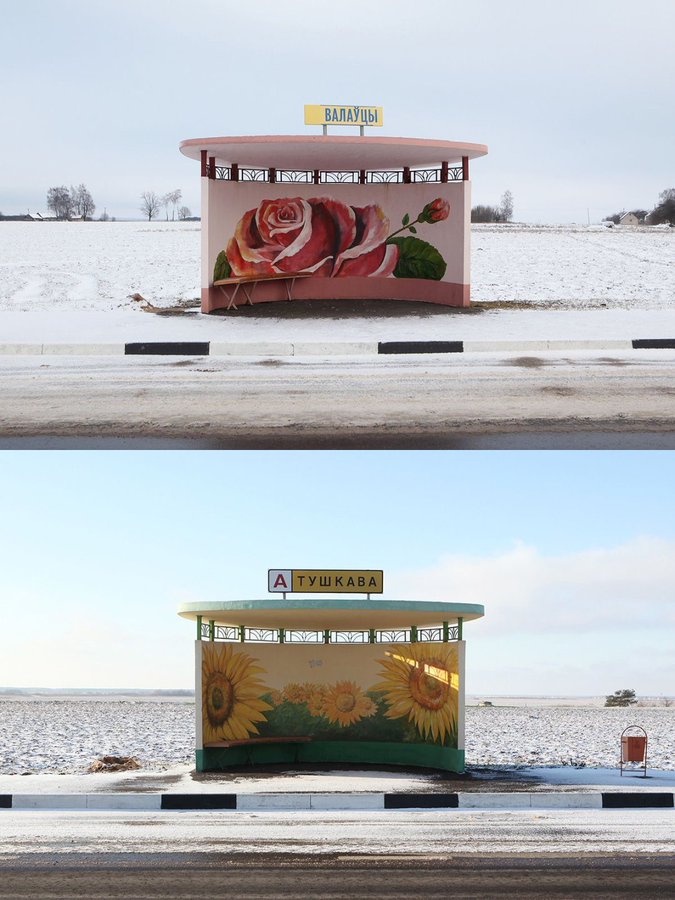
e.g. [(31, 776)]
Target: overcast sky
[(572, 554), (573, 97)]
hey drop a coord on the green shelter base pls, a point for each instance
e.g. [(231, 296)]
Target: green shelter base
[(430, 756)]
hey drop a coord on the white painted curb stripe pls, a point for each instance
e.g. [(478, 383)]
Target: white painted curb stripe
[(524, 800), (87, 801), (531, 346), (62, 349)]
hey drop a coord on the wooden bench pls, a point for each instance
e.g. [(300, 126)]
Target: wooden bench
[(253, 742), (248, 285)]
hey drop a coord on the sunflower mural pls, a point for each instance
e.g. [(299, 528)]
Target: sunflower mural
[(421, 682), (232, 703)]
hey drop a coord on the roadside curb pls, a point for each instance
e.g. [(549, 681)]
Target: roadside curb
[(342, 801), (324, 348)]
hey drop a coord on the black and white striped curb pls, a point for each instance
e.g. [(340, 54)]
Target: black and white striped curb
[(341, 801), (325, 348)]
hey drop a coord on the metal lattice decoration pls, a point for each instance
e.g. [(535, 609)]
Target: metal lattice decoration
[(302, 176), (349, 637), (254, 175), (304, 637), (262, 635), (295, 176), (213, 632)]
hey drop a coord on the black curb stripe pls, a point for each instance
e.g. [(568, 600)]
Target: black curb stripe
[(420, 347), (5, 801), (654, 344), (168, 348), (642, 800), (421, 801), (199, 801)]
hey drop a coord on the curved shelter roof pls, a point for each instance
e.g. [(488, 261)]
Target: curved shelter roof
[(337, 614), (332, 152)]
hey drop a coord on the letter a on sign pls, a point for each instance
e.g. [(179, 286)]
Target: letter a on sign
[(279, 580)]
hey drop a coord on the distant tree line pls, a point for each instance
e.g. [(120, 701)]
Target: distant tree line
[(662, 214), (501, 213), (152, 204), (66, 203)]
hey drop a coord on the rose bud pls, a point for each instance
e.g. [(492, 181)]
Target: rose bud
[(435, 211)]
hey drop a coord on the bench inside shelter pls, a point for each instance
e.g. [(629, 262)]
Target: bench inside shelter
[(250, 743), (230, 286)]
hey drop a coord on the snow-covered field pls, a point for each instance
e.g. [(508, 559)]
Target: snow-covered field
[(97, 265), (67, 735)]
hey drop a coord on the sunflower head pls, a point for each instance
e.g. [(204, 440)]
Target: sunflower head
[(231, 694), (316, 699), (345, 703), (295, 693), (421, 681)]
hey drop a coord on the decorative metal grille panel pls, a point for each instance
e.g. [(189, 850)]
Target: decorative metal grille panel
[(430, 634), (262, 635), (372, 176), (297, 177), (304, 637), (398, 636), (294, 636), (349, 637)]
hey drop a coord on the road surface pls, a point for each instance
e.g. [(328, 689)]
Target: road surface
[(565, 853), (454, 400)]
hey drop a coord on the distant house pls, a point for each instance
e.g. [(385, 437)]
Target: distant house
[(628, 218), (39, 217)]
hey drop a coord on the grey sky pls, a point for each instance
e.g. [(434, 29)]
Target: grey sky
[(573, 98)]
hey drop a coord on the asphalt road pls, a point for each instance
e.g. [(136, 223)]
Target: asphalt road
[(460, 400), (104, 876), (453, 853)]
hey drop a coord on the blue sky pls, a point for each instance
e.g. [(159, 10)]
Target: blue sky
[(572, 98), (573, 555)]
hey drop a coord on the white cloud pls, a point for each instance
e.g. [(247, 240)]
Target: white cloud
[(629, 585)]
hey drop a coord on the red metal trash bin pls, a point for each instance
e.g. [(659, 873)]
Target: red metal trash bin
[(634, 747)]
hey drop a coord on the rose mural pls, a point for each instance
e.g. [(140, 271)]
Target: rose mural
[(327, 238)]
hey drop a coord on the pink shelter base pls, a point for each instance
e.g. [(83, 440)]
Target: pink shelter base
[(442, 293)]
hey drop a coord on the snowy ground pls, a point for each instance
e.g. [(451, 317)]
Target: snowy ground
[(72, 282), (65, 736), (97, 265)]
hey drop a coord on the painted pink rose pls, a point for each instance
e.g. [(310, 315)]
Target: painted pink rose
[(321, 236)]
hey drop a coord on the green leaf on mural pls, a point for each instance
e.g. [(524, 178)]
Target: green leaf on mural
[(222, 269), (413, 229), (417, 259), (405, 219)]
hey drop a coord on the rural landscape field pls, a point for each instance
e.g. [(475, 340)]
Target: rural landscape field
[(66, 735), (100, 265)]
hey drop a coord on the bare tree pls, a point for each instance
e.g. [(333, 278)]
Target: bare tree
[(184, 213), (165, 201), (172, 199), (150, 204), (60, 202), (506, 206), (82, 201)]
